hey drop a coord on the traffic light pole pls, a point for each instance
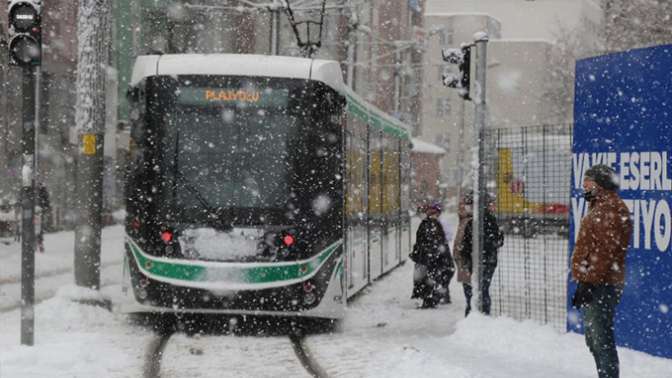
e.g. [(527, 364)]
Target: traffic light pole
[(479, 97), (28, 205)]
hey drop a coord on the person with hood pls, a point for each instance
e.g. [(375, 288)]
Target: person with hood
[(598, 264), (434, 265), (493, 238)]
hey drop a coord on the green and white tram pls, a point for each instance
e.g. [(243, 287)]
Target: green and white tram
[(258, 185)]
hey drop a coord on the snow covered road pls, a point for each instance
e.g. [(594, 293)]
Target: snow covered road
[(383, 335)]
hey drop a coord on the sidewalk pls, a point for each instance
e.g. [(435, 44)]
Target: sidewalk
[(54, 267)]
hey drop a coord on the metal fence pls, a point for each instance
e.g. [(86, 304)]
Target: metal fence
[(528, 170)]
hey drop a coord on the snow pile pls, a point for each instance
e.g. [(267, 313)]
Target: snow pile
[(72, 340)]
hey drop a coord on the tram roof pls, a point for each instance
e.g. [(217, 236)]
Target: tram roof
[(326, 71)]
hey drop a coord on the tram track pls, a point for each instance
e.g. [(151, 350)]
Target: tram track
[(306, 357), (152, 366), (156, 351)]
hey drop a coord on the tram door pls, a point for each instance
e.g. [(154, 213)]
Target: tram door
[(405, 201), (375, 204), (391, 202), (355, 204)]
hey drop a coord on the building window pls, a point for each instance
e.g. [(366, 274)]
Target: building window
[(445, 38), (442, 107)]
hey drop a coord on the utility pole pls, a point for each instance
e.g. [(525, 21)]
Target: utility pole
[(397, 80), (93, 29), (4, 124), (275, 29), (353, 24), (481, 44)]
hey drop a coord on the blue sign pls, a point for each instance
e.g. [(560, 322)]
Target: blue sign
[(415, 6), (623, 118)]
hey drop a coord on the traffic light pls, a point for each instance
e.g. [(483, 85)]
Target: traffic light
[(460, 81), (25, 32)]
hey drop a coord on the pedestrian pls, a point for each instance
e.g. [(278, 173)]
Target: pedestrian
[(598, 264), (493, 239), (448, 273), (43, 210), (434, 265)]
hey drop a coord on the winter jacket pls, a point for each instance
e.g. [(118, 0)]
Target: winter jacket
[(431, 248), (492, 240), (599, 253)]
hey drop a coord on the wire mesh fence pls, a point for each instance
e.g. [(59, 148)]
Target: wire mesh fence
[(528, 169)]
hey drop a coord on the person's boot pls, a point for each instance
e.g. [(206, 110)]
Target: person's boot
[(428, 303), (446, 297)]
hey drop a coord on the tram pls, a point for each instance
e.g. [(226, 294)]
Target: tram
[(258, 185)]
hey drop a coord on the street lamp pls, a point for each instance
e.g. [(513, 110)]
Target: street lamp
[(308, 32)]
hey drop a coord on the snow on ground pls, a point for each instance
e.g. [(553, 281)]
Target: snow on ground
[(383, 335), (56, 263), (72, 340), (386, 336), (230, 356)]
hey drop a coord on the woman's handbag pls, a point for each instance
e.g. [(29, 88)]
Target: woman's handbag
[(583, 295), (415, 254)]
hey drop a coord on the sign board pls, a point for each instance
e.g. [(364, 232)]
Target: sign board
[(89, 144), (623, 118)]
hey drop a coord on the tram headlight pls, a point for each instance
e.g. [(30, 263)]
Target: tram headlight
[(142, 294), (309, 298)]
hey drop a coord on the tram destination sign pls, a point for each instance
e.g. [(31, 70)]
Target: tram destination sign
[(212, 96)]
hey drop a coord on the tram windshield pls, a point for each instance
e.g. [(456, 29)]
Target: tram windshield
[(232, 143)]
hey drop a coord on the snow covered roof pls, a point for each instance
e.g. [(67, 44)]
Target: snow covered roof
[(426, 148), (326, 71)]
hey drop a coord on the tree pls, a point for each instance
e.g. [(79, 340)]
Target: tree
[(637, 23), (570, 46)]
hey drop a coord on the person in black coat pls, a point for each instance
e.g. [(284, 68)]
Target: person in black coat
[(434, 264), (493, 239)]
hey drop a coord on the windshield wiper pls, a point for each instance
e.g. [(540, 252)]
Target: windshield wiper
[(214, 217)]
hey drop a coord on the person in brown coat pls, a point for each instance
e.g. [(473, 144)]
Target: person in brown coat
[(493, 239), (598, 265)]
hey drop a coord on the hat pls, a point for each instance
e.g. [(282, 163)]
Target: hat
[(434, 207), (468, 197), (604, 176)]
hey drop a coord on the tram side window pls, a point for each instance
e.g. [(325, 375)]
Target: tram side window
[(391, 167), (136, 100), (405, 177), (356, 169), (375, 174)]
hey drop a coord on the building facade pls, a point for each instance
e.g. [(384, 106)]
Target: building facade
[(524, 87), (385, 58)]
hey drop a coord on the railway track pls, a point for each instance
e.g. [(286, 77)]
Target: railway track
[(175, 353)]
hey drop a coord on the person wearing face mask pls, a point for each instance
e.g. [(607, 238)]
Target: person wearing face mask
[(493, 239), (598, 265)]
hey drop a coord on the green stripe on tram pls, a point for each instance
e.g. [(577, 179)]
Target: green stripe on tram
[(165, 269), (360, 111), (198, 273)]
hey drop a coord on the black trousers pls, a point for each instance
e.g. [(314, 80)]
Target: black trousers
[(486, 280)]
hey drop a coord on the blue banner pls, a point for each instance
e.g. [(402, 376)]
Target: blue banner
[(415, 6), (623, 118)]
